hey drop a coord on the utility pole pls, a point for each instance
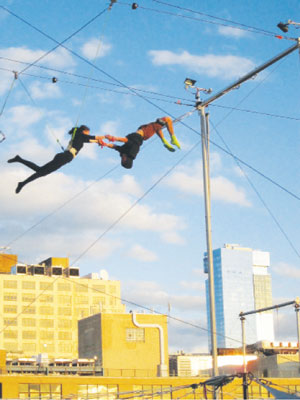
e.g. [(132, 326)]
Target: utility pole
[(201, 107)]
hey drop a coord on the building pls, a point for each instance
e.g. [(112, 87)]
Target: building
[(242, 283), (41, 304), (181, 364), (6, 262), (275, 359), (126, 344)]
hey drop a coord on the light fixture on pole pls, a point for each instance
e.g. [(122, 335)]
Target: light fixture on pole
[(285, 26)]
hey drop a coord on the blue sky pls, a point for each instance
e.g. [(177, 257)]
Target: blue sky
[(155, 250)]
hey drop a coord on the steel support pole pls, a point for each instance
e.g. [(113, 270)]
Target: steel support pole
[(297, 307), (245, 385), (206, 186)]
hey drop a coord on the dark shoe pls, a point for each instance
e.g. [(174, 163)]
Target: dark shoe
[(19, 187), (15, 159)]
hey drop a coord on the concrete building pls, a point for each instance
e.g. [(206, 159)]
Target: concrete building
[(126, 344), (242, 283), (181, 364), (41, 304)]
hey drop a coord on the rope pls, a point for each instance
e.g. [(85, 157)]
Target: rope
[(7, 96), (34, 103), (91, 74)]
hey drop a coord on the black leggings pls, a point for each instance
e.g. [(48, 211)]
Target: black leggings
[(58, 161)]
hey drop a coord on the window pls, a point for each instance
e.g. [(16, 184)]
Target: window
[(46, 323), (10, 297), (9, 334), (48, 335), (44, 310), (29, 334), (65, 347), (28, 310), (100, 288), (81, 300), (64, 311), (10, 284), (66, 300), (135, 335), (81, 288), (30, 347), (28, 322), (64, 335), (63, 287), (46, 286), (40, 390), (10, 309), (46, 298), (92, 392), (64, 323), (28, 298), (28, 285), (10, 322)]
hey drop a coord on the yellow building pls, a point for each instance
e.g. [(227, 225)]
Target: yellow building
[(126, 344), (6, 262), (100, 388), (41, 304)]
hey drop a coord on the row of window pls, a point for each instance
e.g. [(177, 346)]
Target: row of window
[(61, 335), (111, 392), (50, 348), (42, 323), (61, 286)]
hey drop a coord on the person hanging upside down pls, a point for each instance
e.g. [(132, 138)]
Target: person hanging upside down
[(132, 142), (79, 137)]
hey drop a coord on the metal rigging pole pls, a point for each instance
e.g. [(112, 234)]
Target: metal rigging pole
[(201, 106)]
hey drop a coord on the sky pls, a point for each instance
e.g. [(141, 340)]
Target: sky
[(116, 70)]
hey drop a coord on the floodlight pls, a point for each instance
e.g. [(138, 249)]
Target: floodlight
[(283, 27), (189, 82)]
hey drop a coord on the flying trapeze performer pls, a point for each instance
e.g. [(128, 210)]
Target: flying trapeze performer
[(79, 137), (132, 142)]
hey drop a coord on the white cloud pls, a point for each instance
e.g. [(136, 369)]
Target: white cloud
[(84, 218), (24, 116), (194, 285), (95, 48), (224, 67), (286, 270), (110, 128), (141, 254), (60, 58), (189, 180), (40, 90), (151, 294), (232, 32)]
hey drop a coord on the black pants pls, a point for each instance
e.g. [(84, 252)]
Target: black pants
[(58, 161)]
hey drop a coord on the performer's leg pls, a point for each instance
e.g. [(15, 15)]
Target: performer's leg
[(21, 160)]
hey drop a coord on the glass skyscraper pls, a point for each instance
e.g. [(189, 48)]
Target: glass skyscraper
[(242, 283)]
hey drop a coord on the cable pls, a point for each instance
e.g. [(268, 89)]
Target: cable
[(31, 98), (49, 37), (252, 30), (260, 197), (178, 99), (62, 205), (85, 77), (87, 62)]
